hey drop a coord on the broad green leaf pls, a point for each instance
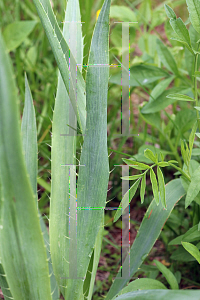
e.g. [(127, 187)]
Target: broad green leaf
[(29, 141), (193, 234), (197, 107), (123, 13), (142, 188), (161, 186), (194, 188), (15, 33), (176, 38), (181, 30), (161, 294), (166, 57), (153, 119), (185, 120), (181, 254), (145, 11), (154, 186), (142, 284), (149, 231), (126, 200), (141, 75), (194, 10), (171, 279), (193, 250), (135, 164), (169, 11), (180, 97), (149, 154), (161, 87), (21, 236), (162, 101)]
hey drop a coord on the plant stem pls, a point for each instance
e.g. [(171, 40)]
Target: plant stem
[(195, 85)]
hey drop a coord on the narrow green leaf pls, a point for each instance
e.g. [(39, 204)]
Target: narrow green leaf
[(180, 97), (163, 164), (154, 186), (161, 186), (161, 87), (194, 188), (171, 279), (142, 188), (61, 52), (29, 138), (161, 294), (152, 224), (20, 235), (181, 30), (166, 57), (15, 33), (192, 249), (142, 284), (149, 154), (131, 177), (169, 11), (192, 137), (194, 10), (136, 165), (63, 169), (29, 141), (94, 171), (126, 200)]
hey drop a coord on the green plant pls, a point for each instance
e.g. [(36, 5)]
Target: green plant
[(24, 271)]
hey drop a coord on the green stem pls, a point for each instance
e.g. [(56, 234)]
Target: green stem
[(195, 85)]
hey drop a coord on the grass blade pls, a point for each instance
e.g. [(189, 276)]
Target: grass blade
[(148, 233)]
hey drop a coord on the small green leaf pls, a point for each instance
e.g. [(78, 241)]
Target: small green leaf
[(169, 11), (171, 279), (142, 189), (166, 57), (161, 186), (162, 157), (192, 137), (154, 186), (192, 249), (126, 199), (194, 10), (163, 164), (172, 161), (181, 30), (180, 97), (149, 154), (135, 164), (194, 188), (131, 177)]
